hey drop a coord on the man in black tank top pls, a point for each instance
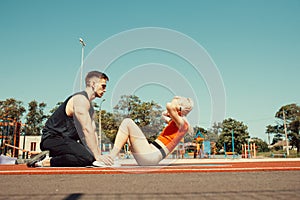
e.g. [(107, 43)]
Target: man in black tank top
[(70, 133)]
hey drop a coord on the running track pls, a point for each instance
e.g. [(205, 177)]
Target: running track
[(179, 166)]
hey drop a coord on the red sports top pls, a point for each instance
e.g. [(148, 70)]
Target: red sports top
[(171, 134)]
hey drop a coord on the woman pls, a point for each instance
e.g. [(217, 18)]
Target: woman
[(153, 153)]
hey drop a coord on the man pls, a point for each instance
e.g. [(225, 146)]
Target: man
[(70, 133)]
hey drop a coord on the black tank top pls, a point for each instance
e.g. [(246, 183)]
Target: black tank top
[(60, 124)]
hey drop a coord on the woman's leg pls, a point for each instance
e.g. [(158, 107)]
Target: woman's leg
[(143, 152)]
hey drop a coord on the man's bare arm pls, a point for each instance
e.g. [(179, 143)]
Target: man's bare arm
[(81, 108)]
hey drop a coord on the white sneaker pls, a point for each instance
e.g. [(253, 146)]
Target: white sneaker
[(99, 164), (39, 157)]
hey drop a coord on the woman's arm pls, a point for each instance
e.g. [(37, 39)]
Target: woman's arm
[(173, 109)]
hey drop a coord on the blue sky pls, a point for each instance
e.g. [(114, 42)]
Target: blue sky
[(255, 46)]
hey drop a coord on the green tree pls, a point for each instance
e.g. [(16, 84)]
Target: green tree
[(132, 107), (270, 130), (35, 118), (147, 115), (127, 106), (276, 138), (262, 146), (213, 133), (109, 126), (150, 112), (12, 109), (240, 135), (292, 117), (55, 107)]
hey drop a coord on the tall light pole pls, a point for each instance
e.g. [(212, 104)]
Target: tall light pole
[(82, 53), (99, 134), (286, 137), (232, 140)]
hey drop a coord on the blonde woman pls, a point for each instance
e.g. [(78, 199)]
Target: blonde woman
[(152, 153)]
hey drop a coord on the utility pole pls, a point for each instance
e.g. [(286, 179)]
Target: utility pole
[(100, 127), (285, 131), (232, 140)]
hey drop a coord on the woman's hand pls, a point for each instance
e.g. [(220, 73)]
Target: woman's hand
[(166, 116), (173, 109)]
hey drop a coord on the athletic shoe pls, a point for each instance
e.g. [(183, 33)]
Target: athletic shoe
[(21, 161), (100, 164), (37, 158)]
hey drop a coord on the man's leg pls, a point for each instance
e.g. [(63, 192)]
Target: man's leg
[(37, 158), (66, 152)]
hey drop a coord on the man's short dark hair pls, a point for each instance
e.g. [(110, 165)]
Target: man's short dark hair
[(97, 74)]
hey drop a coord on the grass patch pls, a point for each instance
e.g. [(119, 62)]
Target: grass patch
[(293, 154)]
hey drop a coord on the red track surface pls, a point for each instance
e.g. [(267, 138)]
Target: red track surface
[(173, 168)]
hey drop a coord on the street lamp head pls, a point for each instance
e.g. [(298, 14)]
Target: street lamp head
[(81, 41)]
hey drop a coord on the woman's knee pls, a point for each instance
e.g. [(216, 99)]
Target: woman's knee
[(126, 123)]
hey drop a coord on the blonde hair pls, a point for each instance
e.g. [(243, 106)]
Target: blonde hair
[(186, 104)]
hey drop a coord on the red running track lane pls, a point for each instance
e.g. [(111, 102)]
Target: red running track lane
[(173, 168)]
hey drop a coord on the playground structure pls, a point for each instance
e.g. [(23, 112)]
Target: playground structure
[(202, 148), (232, 153), (249, 150), (10, 130), (199, 148), (199, 151), (10, 134)]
